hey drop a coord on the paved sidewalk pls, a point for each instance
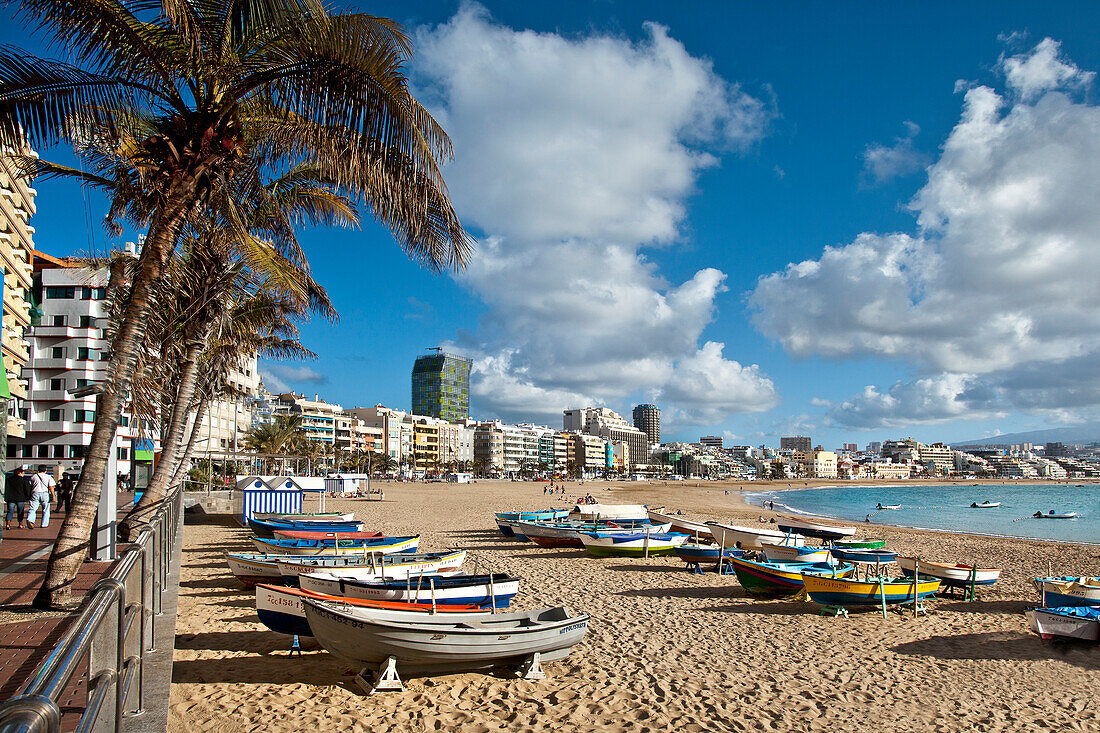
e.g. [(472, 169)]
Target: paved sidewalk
[(25, 642)]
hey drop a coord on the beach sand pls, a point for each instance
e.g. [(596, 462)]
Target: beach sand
[(665, 650)]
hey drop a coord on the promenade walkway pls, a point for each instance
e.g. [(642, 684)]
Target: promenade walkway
[(26, 634)]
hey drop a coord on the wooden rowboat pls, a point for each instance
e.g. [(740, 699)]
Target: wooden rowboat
[(781, 579), (952, 576), (749, 538), (312, 534), (1069, 591), (845, 592), (793, 553), (863, 544), (821, 530), (383, 545), (280, 609), (639, 544), (1081, 623), (678, 524)]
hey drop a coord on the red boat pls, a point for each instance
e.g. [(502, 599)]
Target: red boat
[(315, 534)]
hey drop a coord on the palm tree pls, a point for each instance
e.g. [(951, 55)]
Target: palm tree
[(194, 99)]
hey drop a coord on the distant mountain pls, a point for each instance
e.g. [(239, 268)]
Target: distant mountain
[(1089, 433)]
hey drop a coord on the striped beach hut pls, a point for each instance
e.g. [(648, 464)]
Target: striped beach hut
[(278, 494)]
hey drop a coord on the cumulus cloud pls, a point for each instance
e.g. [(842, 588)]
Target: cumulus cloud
[(882, 163), (572, 154), (930, 400), (999, 278)]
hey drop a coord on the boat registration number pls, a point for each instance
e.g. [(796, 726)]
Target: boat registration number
[(574, 627)]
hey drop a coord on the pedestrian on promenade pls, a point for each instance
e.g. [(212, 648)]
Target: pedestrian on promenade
[(65, 492), (17, 492), (42, 495)]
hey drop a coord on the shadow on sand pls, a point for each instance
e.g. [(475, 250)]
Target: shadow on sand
[(1007, 645)]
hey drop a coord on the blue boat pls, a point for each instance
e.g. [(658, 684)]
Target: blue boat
[(782, 579), (866, 556), (537, 515), (1069, 591), (267, 527), (459, 590), (384, 545)]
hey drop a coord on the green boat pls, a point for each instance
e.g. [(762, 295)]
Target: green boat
[(854, 544), (639, 544), (781, 579)]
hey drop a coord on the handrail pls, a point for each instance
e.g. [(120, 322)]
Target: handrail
[(108, 639)]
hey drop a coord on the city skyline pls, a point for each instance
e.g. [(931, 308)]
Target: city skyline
[(726, 266)]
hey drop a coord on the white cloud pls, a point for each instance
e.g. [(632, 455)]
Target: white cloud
[(882, 163), (571, 155), (1000, 277), (708, 388), (1043, 69), (930, 400)]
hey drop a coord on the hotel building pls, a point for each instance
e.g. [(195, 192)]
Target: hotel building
[(441, 386)]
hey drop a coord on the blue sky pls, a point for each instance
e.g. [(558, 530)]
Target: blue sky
[(641, 177)]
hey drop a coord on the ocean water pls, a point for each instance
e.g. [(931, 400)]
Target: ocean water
[(948, 507)]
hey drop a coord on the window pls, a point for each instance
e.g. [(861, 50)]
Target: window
[(87, 322), (124, 421), (57, 385), (81, 383), (85, 415), (43, 451), (58, 451), (27, 451), (12, 450), (123, 454), (57, 321), (83, 353), (76, 451), (61, 293), (93, 293), (55, 415), (57, 352)]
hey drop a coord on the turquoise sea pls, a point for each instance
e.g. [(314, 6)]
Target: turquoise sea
[(948, 507)]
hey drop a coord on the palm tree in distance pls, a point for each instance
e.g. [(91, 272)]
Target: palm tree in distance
[(191, 101)]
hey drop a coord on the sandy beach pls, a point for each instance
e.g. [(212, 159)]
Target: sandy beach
[(666, 650)]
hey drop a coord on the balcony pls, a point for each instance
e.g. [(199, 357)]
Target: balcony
[(79, 365), (60, 426), (17, 427)]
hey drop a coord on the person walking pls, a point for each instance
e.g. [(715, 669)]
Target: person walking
[(42, 495), (17, 492), (65, 492)]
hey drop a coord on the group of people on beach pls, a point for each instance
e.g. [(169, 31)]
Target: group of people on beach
[(27, 496)]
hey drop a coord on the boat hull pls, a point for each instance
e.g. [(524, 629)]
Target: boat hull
[(952, 576), (1081, 623), (794, 553), (814, 529), (309, 534), (632, 545), (384, 546), (678, 524), (267, 528), (440, 644), (390, 567), (454, 590), (747, 538), (865, 556), (847, 592), (780, 580), (693, 553), (1061, 592), (280, 609), (865, 544)]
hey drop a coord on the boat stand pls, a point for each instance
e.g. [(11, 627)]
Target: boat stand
[(908, 608), (694, 568), (531, 669), (834, 611), (295, 647), (726, 569), (385, 679)]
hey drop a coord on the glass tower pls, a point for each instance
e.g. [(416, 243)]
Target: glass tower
[(441, 386)]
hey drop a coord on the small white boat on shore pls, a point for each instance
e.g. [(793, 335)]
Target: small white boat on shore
[(821, 530), (608, 512), (679, 524), (794, 553), (750, 538)]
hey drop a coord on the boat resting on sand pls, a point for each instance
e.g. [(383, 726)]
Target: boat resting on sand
[(314, 534), (845, 592), (749, 538), (781, 579), (820, 530), (535, 515), (794, 553), (394, 567), (280, 609), (438, 644), (869, 556), (691, 552), (478, 590), (688, 526), (268, 527), (1068, 591), (952, 576), (568, 534), (608, 512), (383, 545), (1081, 623), (639, 544), (304, 516)]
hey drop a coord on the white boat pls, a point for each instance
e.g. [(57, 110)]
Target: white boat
[(749, 538), (794, 553), (301, 517), (679, 524), (455, 589), (1068, 591), (608, 512), (376, 566), (381, 545), (1055, 515), (444, 642), (638, 544), (1071, 622), (985, 505), (956, 576), (884, 507), (821, 530), (547, 534)]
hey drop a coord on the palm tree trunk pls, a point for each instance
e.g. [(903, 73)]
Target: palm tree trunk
[(72, 539), (170, 444), (184, 464)]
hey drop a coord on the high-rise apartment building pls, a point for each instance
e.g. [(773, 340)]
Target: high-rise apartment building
[(647, 418), (68, 357), (441, 386), (799, 443), (16, 261)]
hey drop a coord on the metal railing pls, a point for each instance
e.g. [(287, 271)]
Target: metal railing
[(109, 639)]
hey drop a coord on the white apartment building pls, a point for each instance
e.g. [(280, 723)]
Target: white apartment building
[(609, 425), (67, 356), (227, 420), (16, 279)]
